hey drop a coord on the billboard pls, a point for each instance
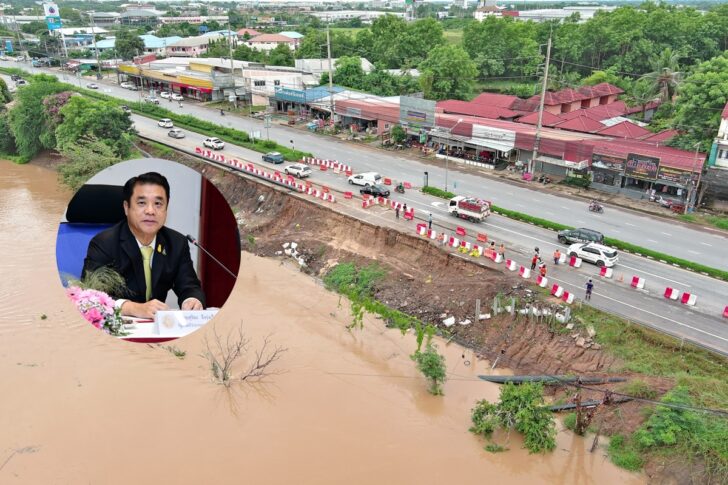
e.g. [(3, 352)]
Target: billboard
[(608, 163), (642, 167), (674, 175), (416, 113), (52, 16), (9, 46)]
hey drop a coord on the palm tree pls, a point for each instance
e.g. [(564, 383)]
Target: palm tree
[(642, 93), (666, 75)]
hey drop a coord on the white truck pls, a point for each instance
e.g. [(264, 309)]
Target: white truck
[(470, 208)]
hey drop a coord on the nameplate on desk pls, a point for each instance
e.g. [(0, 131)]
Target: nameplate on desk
[(176, 322)]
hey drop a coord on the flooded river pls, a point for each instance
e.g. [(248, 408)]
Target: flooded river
[(78, 406)]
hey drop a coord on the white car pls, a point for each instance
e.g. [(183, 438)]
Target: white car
[(165, 95), (176, 133), (92, 86), (214, 143), (126, 85), (165, 123), (595, 253), (365, 179), (300, 170), (177, 97)]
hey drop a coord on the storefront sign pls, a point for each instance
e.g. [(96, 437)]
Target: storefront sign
[(608, 163), (674, 175), (354, 112), (287, 94), (417, 113), (643, 167)]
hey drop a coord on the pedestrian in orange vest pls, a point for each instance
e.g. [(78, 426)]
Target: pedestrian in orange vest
[(534, 261), (542, 270), (557, 256)]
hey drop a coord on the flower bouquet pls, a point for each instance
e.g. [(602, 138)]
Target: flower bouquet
[(98, 308)]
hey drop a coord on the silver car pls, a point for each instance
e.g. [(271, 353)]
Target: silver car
[(595, 253)]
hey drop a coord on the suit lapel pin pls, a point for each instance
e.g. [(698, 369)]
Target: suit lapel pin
[(161, 250)]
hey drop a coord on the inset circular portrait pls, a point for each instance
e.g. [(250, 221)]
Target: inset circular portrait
[(148, 250)]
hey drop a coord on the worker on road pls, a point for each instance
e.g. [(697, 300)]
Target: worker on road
[(557, 256)]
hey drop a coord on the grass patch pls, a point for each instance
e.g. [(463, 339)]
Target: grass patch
[(570, 421), (454, 36), (720, 222), (437, 192), (623, 454), (638, 388)]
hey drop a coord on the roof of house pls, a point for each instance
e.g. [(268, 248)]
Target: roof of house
[(292, 34), (598, 113), (670, 157), (474, 109), (661, 137), (625, 129), (598, 90), (250, 32), (495, 99), (192, 41), (138, 12), (583, 124), (548, 119), (154, 42), (267, 38)]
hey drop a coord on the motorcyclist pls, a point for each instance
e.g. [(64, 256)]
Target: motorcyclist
[(594, 205), (222, 113), (400, 188)]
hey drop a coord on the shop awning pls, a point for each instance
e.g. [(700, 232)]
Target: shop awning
[(501, 146)]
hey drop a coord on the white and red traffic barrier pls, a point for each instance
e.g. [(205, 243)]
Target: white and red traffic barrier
[(574, 262), (542, 281), (432, 234), (638, 282), (453, 242), (367, 203), (562, 258), (606, 272), (524, 272), (460, 231), (557, 290), (421, 229), (497, 258), (672, 293), (467, 245), (725, 312), (479, 249), (568, 297), (511, 265), (688, 299)]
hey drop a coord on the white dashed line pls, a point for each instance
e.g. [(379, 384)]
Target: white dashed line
[(706, 244), (628, 224), (693, 252), (666, 234), (653, 241)]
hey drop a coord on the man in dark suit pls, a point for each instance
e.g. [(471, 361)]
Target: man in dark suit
[(151, 258)]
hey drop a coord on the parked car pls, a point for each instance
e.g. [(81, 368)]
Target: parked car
[(165, 95), (366, 178), (580, 235), (15, 77), (151, 99), (92, 86), (177, 97), (176, 133), (595, 253), (214, 143), (21, 82), (273, 157), (376, 190), (300, 170), (127, 85), (165, 123), (125, 109)]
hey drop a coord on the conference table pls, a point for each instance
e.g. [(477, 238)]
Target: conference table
[(167, 325)]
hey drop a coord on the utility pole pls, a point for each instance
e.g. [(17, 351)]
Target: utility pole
[(232, 65), (331, 75), (93, 33), (693, 187), (531, 163)]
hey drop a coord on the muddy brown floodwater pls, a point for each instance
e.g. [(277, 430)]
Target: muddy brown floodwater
[(345, 407)]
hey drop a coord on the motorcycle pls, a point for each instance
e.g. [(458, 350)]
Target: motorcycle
[(596, 208), (222, 113), (399, 188)]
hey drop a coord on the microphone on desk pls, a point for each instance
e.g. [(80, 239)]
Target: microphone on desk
[(194, 241)]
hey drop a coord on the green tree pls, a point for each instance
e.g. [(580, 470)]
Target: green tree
[(398, 134), (522, 408), (128, 44), (26, 118), (87, 157), (666, 75), (102, 120), (217, 48), (641, 94), (5, 96), (349, 72), (281, 55), (244, 53), (448, 72), (7, 139), (700, 100), (432, 366)]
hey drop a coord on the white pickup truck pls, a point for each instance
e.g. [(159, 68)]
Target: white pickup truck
[(470, 208)]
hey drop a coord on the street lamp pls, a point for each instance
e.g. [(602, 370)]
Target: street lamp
[(427, 179), (447, 157)]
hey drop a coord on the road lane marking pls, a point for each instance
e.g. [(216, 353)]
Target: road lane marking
[(667, 234), (656, 276), (706, 244), (650, 313), (652, 240), (693, 252), (628, 224)]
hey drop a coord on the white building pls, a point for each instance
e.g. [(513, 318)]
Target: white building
[(721, 159), (268, 42), (366, 16), (319, 66)]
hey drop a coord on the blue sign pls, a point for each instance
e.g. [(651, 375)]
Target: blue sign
[(54, 23), (9, 46)]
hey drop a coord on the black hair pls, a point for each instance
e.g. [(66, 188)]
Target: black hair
[(145, 178)]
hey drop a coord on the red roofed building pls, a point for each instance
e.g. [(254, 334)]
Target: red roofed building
[(495, 99), (583, 124), (475, 109), (547, 119), (626, 129), (247, 33), (661, 138), (567, 100)]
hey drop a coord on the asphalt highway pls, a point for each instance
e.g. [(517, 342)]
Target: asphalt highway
[(701, 324)]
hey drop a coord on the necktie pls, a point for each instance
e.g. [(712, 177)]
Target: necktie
[(147, 258)]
